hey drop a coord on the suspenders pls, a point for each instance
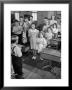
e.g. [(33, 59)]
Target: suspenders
[(13, 50)]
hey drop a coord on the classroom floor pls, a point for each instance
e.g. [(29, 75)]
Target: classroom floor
[(40, 69)]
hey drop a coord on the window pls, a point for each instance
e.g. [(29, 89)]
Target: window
[(34, 14), (17, 16)]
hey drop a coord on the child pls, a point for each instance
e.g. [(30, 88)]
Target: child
[(26, 27), (55, 31), (33, 33), (24, 38), (53, 21), (17, 30), (17, 59), (46, 25), (31, 20), (41, 43), (48, 35), (21, 21)]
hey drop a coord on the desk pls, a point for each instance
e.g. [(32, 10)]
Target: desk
[(51, 54)]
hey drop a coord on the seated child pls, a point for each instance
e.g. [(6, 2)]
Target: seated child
[(33, 34), (55, 31), (48, 35)]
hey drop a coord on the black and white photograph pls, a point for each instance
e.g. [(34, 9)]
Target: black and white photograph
[(36, 44)]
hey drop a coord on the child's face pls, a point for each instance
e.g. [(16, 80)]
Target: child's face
[(31, 18), (33, 26), (26, 19), (21, 19), (54, 26), (49, 30), (47, 22)]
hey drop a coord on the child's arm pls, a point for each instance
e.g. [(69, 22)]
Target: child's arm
[(14, 29), (37, 33), (44, 43)]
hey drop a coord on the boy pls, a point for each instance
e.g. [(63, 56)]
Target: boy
[(16, 59)]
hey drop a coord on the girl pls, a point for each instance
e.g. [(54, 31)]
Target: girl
[(33, 33), (48, 35), (41, 43), (55, 30)]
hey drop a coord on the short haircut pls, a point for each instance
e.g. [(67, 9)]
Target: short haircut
[(31, 16), (15, 21), (21, 16), (45, 18), (33, 23), (26, 18), (13, 41)]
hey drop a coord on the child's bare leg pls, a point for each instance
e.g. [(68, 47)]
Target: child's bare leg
[(34, 54)]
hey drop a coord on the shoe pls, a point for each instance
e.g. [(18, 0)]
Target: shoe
[(34, 57), (19, 77)]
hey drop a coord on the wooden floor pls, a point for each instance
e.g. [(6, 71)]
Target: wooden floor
[(38, 69), (35, 73)]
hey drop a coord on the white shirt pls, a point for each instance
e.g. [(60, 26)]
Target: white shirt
[(52, 22), (55, 30), (17, 50), (17, 29), (42, 41), (48, 35)]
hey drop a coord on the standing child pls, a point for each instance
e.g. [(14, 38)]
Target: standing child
[(17, 30), (17, 59), (55, 30), (48, 35), (41, 43), (33, 33)]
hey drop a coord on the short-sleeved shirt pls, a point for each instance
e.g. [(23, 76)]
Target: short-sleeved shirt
[(17, 50)]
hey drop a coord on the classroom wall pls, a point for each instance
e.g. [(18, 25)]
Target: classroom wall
[(22, 13), (40, 14)]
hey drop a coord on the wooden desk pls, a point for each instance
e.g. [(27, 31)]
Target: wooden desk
[(51, 54)]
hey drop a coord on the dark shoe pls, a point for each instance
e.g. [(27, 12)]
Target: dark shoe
[(19, 77)]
